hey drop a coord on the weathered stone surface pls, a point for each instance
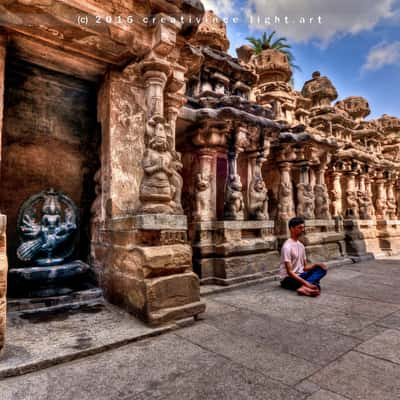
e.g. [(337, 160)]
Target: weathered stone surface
[(234, 269), (385, 346), (360, 377), (254, 354), (153, 366), (284, 335), (155, 282), (3, 280), (172, 291)]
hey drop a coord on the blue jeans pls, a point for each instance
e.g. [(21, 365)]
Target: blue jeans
[(313, 277)]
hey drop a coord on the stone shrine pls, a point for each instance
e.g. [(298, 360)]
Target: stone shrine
[(184, 162)]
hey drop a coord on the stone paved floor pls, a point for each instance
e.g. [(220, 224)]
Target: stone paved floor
[(258, 342)]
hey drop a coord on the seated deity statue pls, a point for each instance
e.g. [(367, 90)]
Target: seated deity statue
[(42, 241)]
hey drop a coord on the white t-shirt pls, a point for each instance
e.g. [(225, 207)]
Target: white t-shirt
[(295, 253)]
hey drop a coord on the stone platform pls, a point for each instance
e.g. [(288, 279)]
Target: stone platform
[(228, 252), (246, 346)]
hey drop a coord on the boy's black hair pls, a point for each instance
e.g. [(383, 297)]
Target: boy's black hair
[(295, 221)]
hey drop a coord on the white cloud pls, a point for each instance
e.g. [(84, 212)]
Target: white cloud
[(337, 17), (382, 54), (223, 8)]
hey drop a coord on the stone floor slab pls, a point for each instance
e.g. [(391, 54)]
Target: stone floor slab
[(253, 354), (344, 323), (223, 381), (386, 345), (326, 395), (352, 305), (360, 377), (310, 343), (169, 368), (390, 321), (39, 341), (371, 291), (114, 374)]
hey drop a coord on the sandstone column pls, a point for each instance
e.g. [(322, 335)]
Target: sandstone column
[(206, 187), (233, 202), (368, 191), (351, 196), (380, 201), (337, 206), (143, 252), (305, 192), (285, 200), (3, 249), (391, 200), (321, 195)]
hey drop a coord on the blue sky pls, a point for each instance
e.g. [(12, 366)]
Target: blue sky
[(356, 44)]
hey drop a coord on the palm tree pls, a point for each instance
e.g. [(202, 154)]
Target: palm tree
[(266, 42)]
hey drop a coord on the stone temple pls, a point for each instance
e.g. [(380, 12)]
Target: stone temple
[(140, 159)]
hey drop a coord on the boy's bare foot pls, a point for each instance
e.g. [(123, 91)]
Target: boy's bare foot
[(305, 291)]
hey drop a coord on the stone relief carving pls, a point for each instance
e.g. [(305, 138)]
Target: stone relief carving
[(202, 200), (258, 199), (161, 186), (305, 199), (352, 205), (321, 202), (364, 204), (285, 206), (234, 205), (337, 208), (391, 208), (381, 202)]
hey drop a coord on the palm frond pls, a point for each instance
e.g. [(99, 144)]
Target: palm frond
[(280, 44)]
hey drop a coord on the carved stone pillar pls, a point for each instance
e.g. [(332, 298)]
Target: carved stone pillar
[(121, 112), (234, 204), (397, 187), (391, 200), (3, 220), (286, 206), (321, 195), (257, 191), (142, 251), (305, 193), (351, 196), (155, 75), (380, 200), (205, 187), (368, 194), (337, 206)]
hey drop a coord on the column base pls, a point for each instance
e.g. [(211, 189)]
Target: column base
[(323, 241), (228, 252), (148, 268), (388, 234), (361, 238)]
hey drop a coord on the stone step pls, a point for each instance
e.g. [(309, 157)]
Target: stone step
[(78, 299)]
